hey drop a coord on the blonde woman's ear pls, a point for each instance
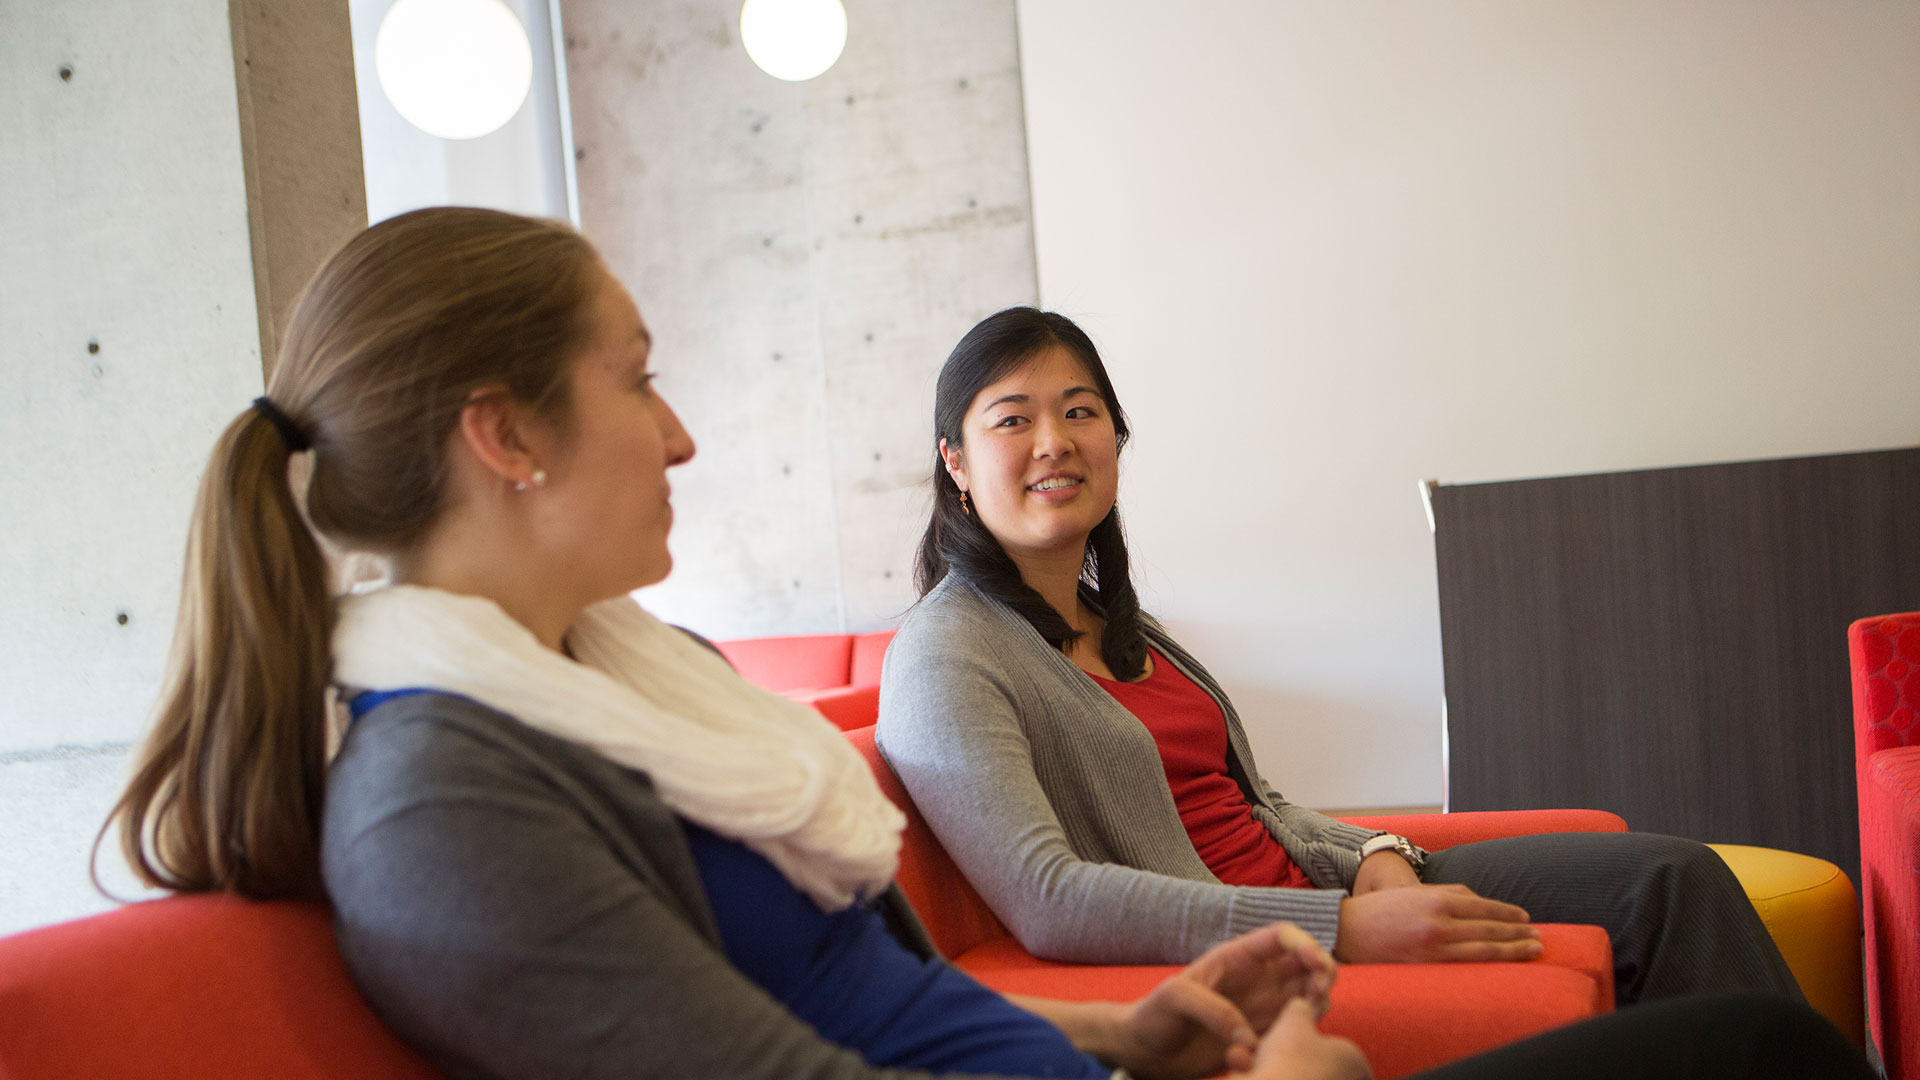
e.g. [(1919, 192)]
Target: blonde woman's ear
[(490, 429)]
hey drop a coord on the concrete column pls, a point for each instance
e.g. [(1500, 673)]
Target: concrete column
[(300, 140)]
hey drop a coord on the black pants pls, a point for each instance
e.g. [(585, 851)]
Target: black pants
[(1749, 1036), (1679, 921)]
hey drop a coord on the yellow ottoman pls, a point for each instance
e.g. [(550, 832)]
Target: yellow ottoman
[(1812, 912)]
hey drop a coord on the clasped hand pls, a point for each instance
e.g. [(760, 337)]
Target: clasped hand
[(1210, 1015)]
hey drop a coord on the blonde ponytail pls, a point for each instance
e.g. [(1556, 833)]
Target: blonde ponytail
[(385, 345), (226, 792)]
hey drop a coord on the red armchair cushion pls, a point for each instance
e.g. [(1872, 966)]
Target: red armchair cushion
[(1886, 684), (849, 707), (869, 652), (1890, 884), (1438, 831), (1885, 651), (783, 664), (191, 987), (1407, 1017), (955, 916)]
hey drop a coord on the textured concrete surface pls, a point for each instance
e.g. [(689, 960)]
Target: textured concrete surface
[(806, 254), (52, 803), (130, 339)]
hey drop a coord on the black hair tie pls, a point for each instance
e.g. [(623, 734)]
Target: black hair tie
[(290, 432)]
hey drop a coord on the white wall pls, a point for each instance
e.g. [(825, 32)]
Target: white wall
[(1331, 248)]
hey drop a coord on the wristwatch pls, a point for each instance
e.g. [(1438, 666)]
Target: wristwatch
[(1389, 842)]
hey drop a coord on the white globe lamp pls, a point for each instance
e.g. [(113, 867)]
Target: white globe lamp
[(793, 40), (458, 69)]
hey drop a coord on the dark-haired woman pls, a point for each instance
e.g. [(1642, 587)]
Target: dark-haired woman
[(1094, 782)]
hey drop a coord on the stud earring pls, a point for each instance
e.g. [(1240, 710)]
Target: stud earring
[(539, 479), (963, 505)]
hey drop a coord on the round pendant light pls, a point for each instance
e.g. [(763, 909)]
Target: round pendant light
[(793, 40), (458, 69)]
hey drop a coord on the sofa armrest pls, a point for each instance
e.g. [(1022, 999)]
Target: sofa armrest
[(1438, 831), (205, 985), (787, 664), (849, 707)]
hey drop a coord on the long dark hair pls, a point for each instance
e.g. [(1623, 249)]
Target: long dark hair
[(956, 542), (384, 347)]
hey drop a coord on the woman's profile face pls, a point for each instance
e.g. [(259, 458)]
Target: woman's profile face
[(1039, 463), (604, 509)]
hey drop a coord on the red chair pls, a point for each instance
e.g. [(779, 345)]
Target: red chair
[(794, 664), (803, 664), (1885, 651), (851, 707), (838, 674), (1407, 1017), (187, 988)]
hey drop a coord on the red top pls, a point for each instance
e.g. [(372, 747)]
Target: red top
[(1191, 732)]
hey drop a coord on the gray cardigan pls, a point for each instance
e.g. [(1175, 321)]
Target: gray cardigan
[(515, 905), (1051, 798)]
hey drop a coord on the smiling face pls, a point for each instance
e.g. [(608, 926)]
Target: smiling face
[(1040, 459), (604, 508)]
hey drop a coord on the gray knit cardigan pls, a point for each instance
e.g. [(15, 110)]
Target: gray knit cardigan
[(516, 905), (1051, 798)]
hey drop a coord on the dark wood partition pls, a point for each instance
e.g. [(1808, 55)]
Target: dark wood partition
[(1670, 644)]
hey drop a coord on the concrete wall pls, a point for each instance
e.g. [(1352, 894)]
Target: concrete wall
[(1333, 248), (131, 329), (806, 255)]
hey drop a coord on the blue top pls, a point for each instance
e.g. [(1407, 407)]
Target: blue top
[(848, 978)]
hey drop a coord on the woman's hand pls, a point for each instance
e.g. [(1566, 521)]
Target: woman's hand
[(1431, 923), (1208, 1017), (1383, 870), (1294, 1049)]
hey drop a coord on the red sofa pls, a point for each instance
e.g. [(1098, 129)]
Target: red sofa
[(1407, 1017), (838, 674), (190, 988), (1885, 652), (214, 986)]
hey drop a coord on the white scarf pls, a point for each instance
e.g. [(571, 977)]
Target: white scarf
[(721, 752)]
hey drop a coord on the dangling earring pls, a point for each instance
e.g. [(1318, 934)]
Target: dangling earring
[(963, 505)]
